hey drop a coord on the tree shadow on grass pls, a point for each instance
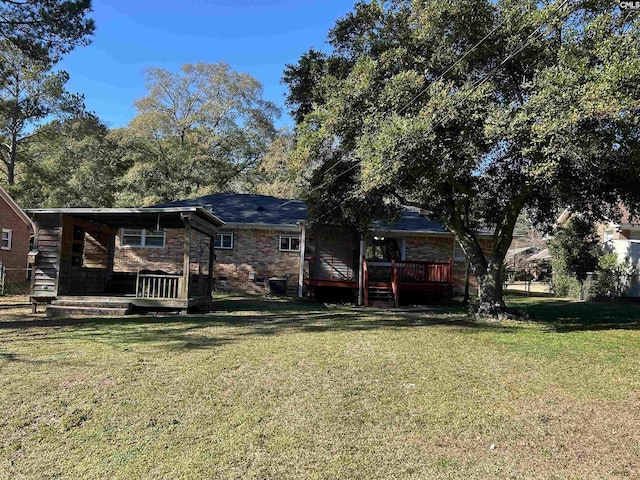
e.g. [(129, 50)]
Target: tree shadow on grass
[(563, 316), (252, 317)]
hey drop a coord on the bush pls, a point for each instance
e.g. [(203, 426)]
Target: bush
[(565, 285), (613, 278), (574, 251)]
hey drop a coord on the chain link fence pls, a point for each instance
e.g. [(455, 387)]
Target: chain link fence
[(14, 281)]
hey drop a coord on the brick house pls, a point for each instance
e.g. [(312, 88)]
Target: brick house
[(264, 237), (16, 228), (260, 239)]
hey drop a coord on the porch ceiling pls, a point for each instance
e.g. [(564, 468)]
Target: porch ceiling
[(133, 217)]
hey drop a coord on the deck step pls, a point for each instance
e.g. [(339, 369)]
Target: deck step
[(85, 311), (96, 298), (98, 303)]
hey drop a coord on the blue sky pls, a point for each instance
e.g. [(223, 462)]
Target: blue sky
[(254, 36)]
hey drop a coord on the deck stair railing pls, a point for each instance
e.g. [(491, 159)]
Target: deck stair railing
[(151, 285), (408, 274)]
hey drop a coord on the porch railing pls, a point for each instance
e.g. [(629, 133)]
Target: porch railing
[(408, 271), (404, 274), (149, 285)]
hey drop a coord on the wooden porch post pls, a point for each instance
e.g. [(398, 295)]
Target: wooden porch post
[(211, 259), (365, 286), (303, 243), (186, 265), (361, 272), (394, 282)]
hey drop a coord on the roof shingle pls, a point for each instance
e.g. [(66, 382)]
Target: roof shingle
[(264, 209)]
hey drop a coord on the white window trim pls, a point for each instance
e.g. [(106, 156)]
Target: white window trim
[(143, 239), (290, 236), (221, 243), (10, 232)]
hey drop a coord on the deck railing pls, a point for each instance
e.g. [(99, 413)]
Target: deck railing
[(408, 274), (150, 285), (408, 271)]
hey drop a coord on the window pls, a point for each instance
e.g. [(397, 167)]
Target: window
[(142, 238), (289, 243), (223, 240), (6, 239), (608, 235)]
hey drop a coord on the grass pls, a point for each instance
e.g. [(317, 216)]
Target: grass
[(279, 389)]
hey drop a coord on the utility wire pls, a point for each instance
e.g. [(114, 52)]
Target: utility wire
[(521, 46), (417, 96)]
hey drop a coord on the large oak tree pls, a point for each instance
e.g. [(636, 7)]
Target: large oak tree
[(540, 112), (198, 131)]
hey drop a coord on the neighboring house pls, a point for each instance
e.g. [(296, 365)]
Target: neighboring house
[(623, 239), (265, 237), (16, 229)]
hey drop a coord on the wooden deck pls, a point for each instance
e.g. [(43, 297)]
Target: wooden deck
[(384, 282)]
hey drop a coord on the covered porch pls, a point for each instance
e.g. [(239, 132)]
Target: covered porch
[(74, 253), (374, 269)]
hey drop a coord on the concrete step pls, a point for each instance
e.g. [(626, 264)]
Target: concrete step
[(382, 303), (80, 311)]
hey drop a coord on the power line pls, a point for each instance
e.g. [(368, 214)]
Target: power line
[(417, 96), (479, 83), (441, 76)]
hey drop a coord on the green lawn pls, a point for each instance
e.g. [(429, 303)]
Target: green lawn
[(273, 389)]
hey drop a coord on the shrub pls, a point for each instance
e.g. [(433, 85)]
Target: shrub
[(574, 251), (613, 278)]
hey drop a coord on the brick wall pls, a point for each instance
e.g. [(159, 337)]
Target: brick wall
[(168, 259), (256, 251), (16, 258), (440, 248)]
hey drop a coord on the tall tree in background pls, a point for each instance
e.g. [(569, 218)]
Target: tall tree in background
[(73, 162), (275, 175), (45, 29), (29, 93), (540, 112), (200, 130)]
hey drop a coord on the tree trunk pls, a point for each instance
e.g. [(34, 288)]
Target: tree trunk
[(13, 155), (467, 279), (490, 302)]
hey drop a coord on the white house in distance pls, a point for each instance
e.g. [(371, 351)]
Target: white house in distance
[(623, 239)]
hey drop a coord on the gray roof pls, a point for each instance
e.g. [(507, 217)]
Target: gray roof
[(234, 208), (248, 208), (132, 217), (412, 221)]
